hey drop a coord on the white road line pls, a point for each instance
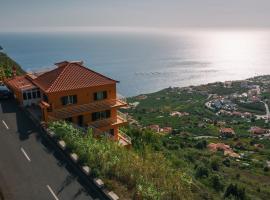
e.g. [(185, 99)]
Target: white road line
[(25, 154), (5, 124), (51, 191)]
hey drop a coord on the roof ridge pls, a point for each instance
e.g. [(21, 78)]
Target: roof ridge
[(59, 76), (96, 72)]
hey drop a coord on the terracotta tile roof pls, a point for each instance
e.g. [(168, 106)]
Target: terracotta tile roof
[(68, 76), (19, 83), (227, 131)]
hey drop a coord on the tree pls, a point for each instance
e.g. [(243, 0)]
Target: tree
[(1, 48)]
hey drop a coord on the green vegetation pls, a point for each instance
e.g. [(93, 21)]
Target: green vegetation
[(146, 174), (178, 167), (217, 175), (6, 65), (213, 173)]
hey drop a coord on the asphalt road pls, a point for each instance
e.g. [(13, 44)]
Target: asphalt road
[(30, 167)]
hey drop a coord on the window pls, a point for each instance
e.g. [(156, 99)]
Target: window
[(69, 100), (34, 94), (24, 96), (45, 98), (29, 96), (101, 115), (112, 131), (100, 95)]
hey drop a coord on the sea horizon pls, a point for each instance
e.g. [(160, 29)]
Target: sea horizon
[(148, 61)]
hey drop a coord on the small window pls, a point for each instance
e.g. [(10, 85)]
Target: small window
[(38, 94), (112, 131), (100, 95), (24, 96), (45, 98), (29, 96), (34, 94), (69, 100), (101, 115)]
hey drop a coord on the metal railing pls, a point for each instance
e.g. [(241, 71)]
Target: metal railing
[(124, 136), (122, 115), (121, 98)]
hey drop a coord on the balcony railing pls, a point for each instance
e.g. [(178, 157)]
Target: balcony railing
[(72, 110), (120, 119), (124, 136)]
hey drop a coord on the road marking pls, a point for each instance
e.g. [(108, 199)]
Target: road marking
[(25, 154), (51, 191), (5, 124)]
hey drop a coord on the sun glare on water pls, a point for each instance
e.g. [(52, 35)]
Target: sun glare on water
[(237, 53)]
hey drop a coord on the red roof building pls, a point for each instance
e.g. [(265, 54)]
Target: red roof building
[(74, 93)]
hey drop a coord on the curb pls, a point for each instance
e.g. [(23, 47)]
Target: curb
[(85, 169)]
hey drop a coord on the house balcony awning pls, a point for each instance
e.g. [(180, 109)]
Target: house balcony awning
[(75, 110), (107, 123)]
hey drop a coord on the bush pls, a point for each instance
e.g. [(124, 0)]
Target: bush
[(216, 183), (201, 172), (266, 169), (226, 162), (233, 190), (201, 144), (215, 164)]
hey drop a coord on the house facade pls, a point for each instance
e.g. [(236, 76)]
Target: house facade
[(73, 93)]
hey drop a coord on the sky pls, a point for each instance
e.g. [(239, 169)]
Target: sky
[(57, 14)]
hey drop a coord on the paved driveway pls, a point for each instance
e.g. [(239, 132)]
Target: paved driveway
[(30, 167)]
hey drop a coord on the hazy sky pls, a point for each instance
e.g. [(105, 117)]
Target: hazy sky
[(31, 14)]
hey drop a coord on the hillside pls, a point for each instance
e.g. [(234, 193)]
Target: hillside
[(6, 65), (218, 134)]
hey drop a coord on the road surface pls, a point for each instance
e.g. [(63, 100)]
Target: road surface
[(30, 167)]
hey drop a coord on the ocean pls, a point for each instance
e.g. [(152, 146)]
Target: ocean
[(146, 62)]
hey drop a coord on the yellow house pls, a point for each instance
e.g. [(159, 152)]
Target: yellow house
[(74, 93)]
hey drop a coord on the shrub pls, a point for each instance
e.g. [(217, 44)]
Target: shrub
[(215, 164), (266, 169), (233, 190), (201, 144), (201, 172), (216, 183), (226, 162)]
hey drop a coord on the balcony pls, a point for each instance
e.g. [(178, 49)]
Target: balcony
[(74, 110), (124, 139), (121, 119)]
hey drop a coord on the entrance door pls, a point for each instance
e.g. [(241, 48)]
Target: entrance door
[(80, 120)]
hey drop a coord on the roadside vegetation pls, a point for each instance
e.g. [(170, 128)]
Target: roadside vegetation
[(145, 173), (6, 66)]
